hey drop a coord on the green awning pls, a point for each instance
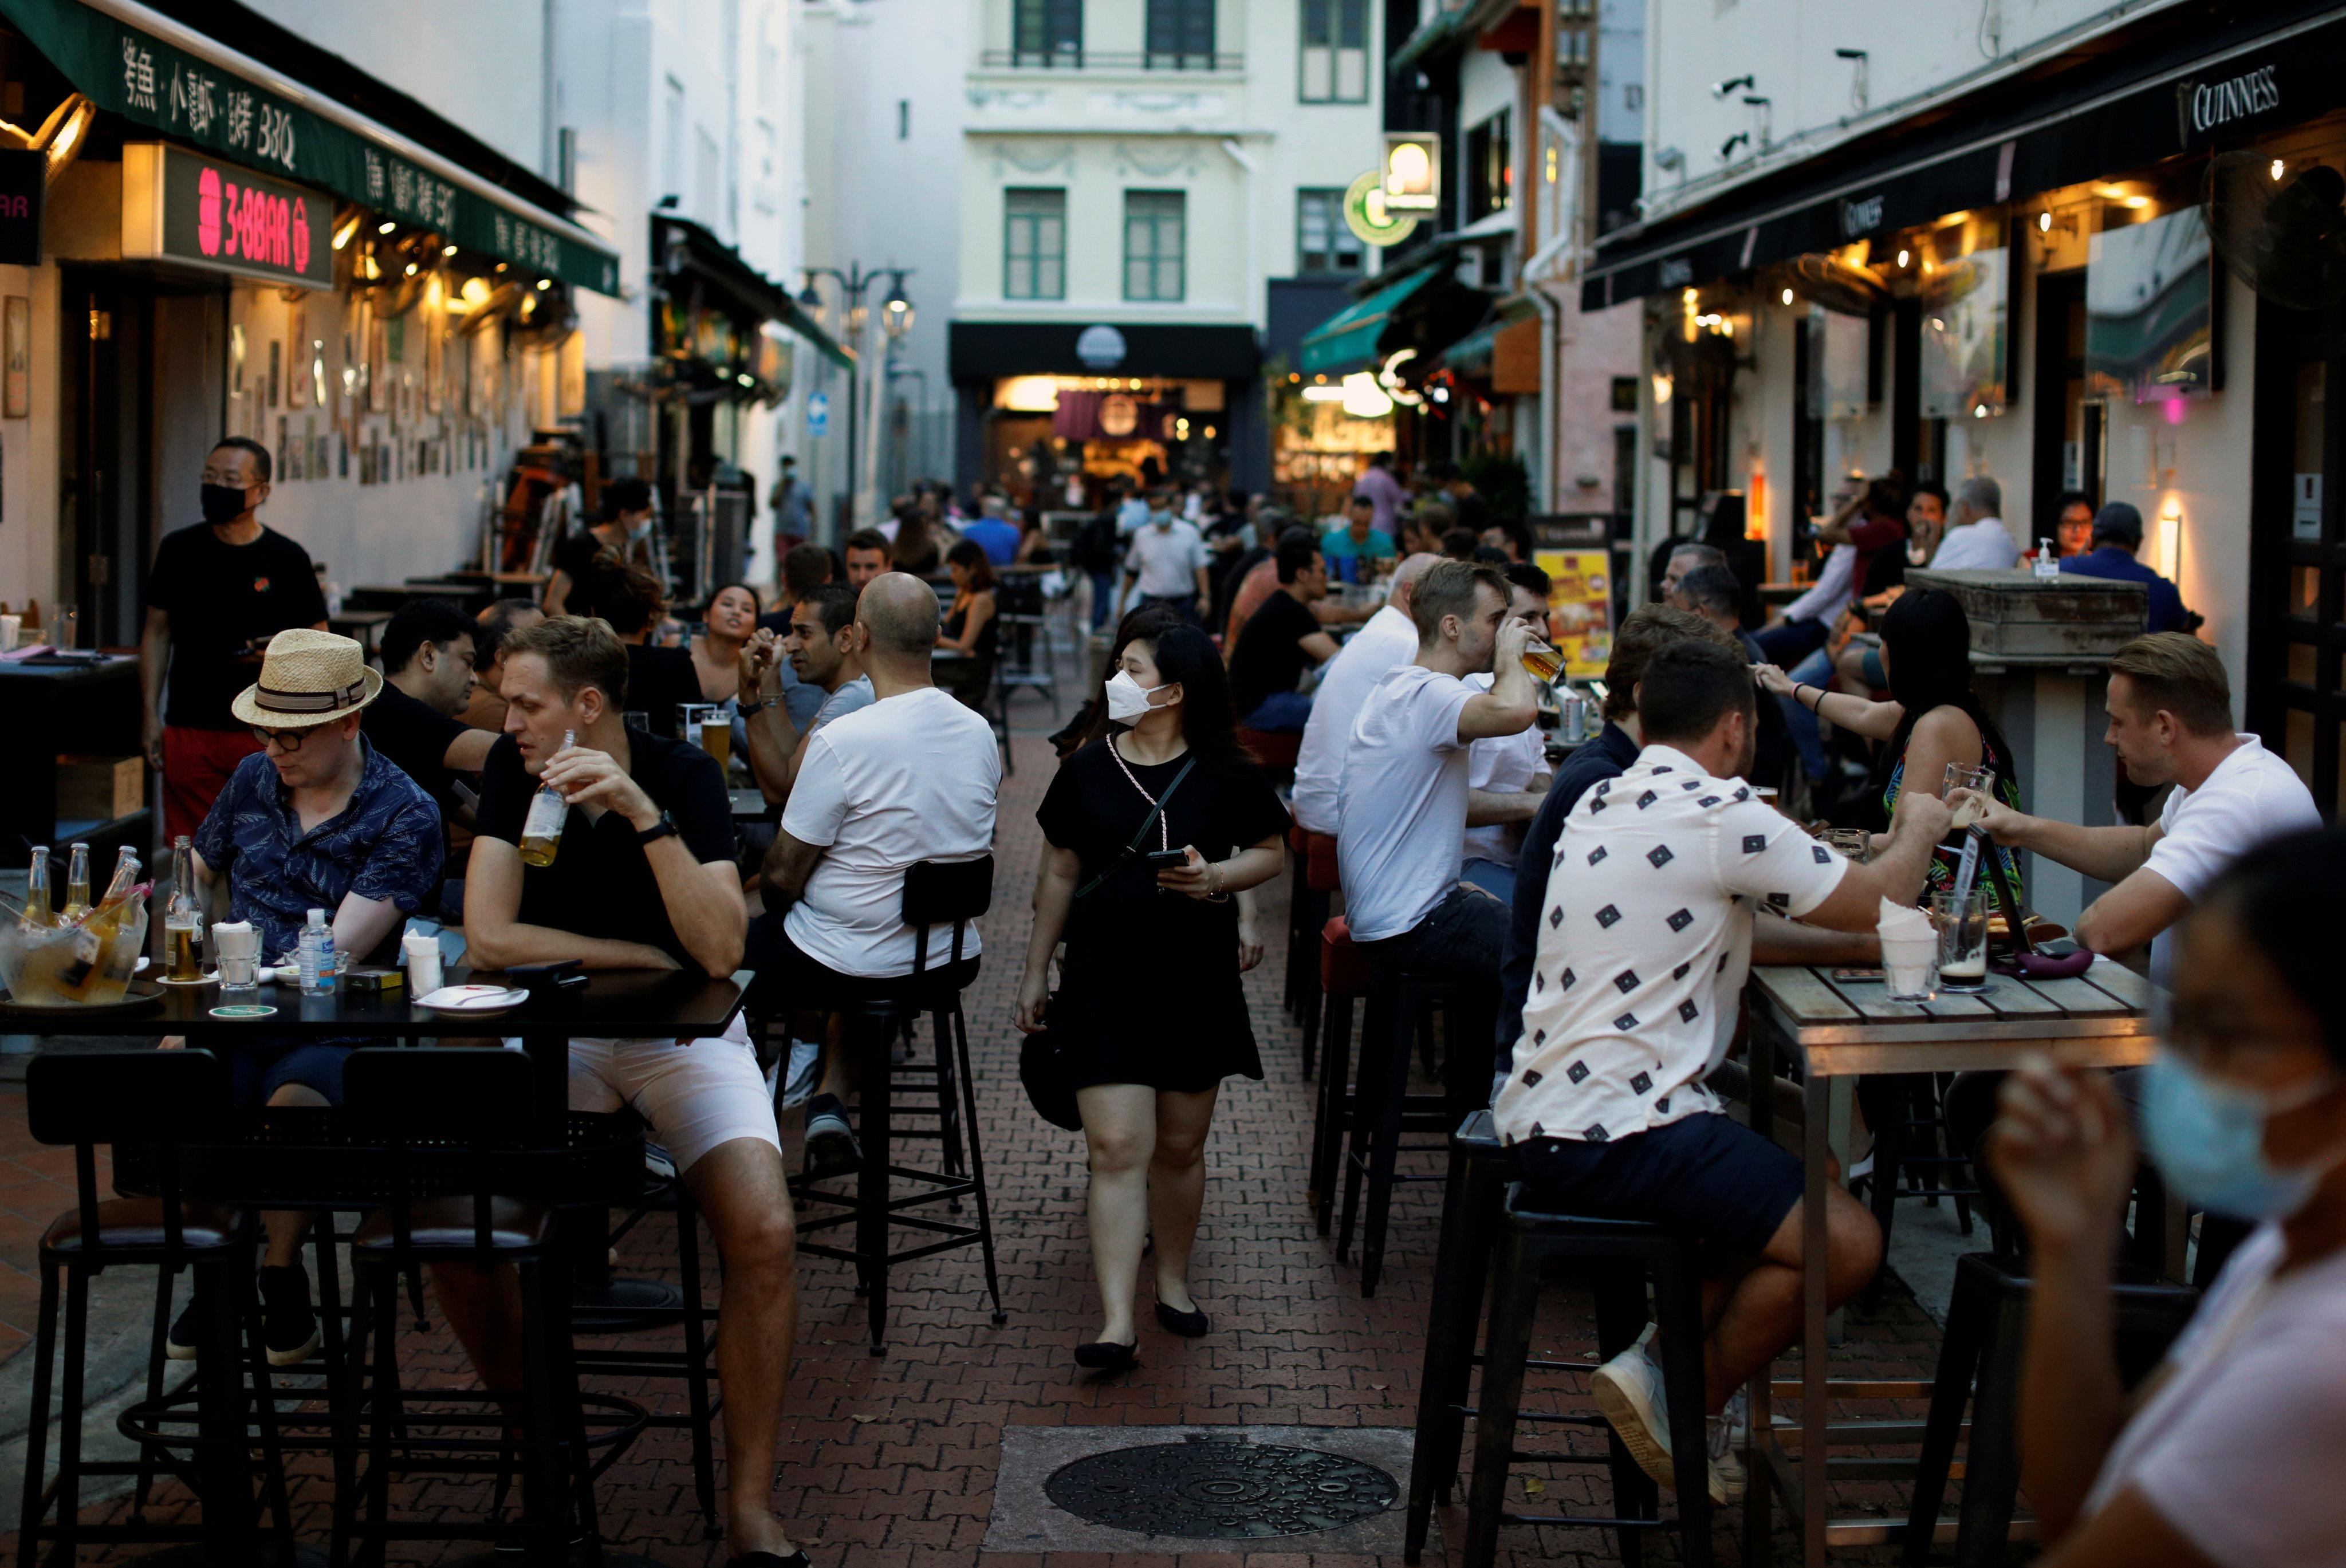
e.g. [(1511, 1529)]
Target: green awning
[(1472, 352), (1430, 35), (1347, 341), (681, 246), (163, 74)]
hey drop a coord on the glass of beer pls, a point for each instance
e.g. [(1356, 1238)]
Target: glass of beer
[(183, 940), (1976, 779), (1962, 939), (717, 735), (1541, 662)]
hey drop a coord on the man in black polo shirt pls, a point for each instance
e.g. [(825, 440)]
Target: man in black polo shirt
[(643, 877), (427, 662), (216, 594)]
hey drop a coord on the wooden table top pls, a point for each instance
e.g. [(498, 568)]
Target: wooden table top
[(1851, 1026)]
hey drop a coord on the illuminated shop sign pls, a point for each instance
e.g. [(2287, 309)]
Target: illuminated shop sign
[(178, 206)]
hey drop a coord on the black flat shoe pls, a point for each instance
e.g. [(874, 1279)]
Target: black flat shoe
[(1188, 1325), (1108, 1356)]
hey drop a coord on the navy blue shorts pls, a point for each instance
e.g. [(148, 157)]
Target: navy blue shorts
[(1705, 1173), (260, 1069)]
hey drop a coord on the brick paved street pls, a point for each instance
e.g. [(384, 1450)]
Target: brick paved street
[(891, 1460)]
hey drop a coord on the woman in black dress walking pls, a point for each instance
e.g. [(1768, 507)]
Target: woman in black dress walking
[(1150, 1009)]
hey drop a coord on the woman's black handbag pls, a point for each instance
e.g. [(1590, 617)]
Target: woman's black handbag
[(1043, 1071)]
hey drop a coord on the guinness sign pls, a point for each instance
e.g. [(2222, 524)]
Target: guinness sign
[(1859, 215), (2202, 108), (1676, 271)]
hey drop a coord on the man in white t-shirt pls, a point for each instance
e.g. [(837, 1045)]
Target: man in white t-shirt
[(2170, 711), (1167, 565), (1659, 877), (1977, 538), (1507, 765), (912, 777), (1404, 805), (1384, 644)]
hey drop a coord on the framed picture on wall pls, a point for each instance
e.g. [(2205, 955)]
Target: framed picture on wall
[(297, 381), (16, 357)]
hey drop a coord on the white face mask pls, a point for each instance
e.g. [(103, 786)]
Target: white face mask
[(1127, 699)]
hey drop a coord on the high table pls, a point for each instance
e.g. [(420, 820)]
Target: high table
[(1836, 1030), (625, 1004)]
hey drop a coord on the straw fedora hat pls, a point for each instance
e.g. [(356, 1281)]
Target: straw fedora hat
[(307, 677)]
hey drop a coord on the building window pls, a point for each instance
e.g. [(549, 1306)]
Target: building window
[(1490, 167), (1035, 245), (1325, 242), (1047, 32), (1335, 58), (1181, 34), (1153, 225)]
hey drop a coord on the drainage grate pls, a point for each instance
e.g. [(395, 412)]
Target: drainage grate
[(1217, 1489)]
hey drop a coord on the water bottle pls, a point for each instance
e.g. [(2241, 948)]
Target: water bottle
[(314, 953)]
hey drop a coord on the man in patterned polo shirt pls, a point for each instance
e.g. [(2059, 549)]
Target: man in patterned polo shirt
[(317, 818), (1643, 952)]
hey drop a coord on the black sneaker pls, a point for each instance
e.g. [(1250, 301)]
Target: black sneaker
[(289, 1329), (188, 1329), (831, 1149)]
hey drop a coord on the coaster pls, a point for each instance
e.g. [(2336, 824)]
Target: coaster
[(245, 1010)]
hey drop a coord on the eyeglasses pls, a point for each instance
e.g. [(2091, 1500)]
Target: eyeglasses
[(285, 739)]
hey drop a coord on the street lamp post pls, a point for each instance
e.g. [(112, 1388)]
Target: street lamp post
[(869, 381)]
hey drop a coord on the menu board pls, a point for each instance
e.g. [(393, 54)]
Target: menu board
[(1579, 608)]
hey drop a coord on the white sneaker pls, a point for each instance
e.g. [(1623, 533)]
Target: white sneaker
[(1728, 1433), (1630, 1394)]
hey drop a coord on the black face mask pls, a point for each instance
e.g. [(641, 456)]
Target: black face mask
[(222, 502)]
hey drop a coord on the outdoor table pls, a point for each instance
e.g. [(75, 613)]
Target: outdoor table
[(618, 1003), (1837, 1030)]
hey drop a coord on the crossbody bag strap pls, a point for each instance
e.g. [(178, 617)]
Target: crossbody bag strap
[(1146, 822)]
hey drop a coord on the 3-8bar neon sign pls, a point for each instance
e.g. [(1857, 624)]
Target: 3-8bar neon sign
[(183, 206)]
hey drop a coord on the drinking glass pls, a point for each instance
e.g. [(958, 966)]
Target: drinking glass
[(237, 947), (1910, 965), (1542, 662), (690, 717), (11, 629), (1962, 940), (65, 620), (1959, 777)]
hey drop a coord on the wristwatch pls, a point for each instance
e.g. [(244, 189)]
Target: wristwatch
[(658, 830), (746, 708)]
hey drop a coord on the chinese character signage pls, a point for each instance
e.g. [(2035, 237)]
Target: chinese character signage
[(24, 178), (183, 206), (155, 84)]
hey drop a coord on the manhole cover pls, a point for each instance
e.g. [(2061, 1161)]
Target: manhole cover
[(1219, 1490)]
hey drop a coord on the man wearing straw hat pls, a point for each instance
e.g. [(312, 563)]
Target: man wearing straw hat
[(317, 820)]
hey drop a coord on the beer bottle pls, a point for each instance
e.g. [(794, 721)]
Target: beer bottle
[(97, 930), (183, 917), (541, 835), (37, 914), (76, 886)]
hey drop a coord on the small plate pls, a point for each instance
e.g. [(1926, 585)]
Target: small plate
[(474, 1000), (210, 979)]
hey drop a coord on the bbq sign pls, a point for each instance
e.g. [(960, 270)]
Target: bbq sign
[(182, 206)]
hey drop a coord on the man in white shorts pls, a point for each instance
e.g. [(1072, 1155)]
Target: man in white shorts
[(643, 877)]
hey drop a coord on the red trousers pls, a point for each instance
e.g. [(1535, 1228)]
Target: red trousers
[(195, 768)]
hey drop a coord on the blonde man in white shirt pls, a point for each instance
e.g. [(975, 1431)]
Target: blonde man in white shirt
[(2170, 711), (1635, 997)]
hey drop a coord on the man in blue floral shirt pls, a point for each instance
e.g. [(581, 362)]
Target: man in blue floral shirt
[(317, 820)]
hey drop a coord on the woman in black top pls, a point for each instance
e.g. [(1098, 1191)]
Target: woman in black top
[(626, 520), (969, 630), (1150, 1007)]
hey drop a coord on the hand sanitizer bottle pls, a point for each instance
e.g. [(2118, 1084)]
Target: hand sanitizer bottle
[(315, 955)]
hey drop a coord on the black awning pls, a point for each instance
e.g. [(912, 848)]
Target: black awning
[(681, 248), (985, 350), (2204, 75)]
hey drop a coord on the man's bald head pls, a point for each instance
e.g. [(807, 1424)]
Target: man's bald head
[(898, 611), (1404, 579)]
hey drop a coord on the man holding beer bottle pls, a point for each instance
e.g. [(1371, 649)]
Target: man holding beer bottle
[(636, 841)]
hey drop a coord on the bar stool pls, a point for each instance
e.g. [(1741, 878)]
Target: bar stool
[(936, 893), (1986, 1326), (1344, 979), (1625, 1254), (447, 1118), (1315, 879), (153, 1099), (1400, 1003), (1480, 1169)]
